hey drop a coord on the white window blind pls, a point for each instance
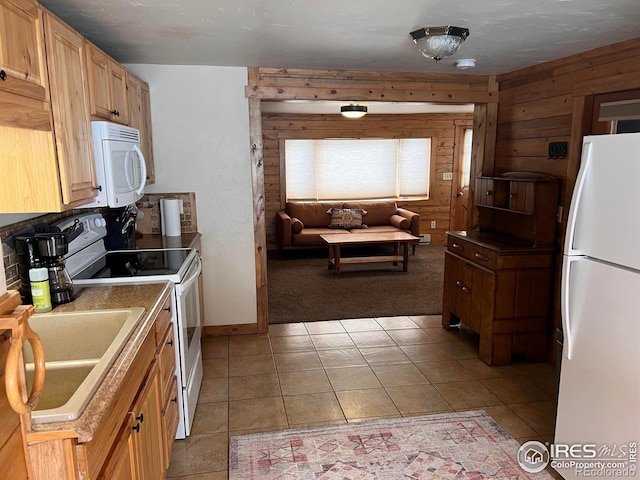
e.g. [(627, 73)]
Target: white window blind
[(354, 169)]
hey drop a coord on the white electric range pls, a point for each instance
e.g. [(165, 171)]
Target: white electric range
[(90, 264)]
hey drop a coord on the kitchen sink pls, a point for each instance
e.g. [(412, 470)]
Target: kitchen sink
[(79, 349)]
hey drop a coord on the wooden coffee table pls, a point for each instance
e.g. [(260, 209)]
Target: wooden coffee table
[(338, 240)]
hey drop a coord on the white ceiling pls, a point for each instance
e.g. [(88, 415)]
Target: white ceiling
[(347, 35)]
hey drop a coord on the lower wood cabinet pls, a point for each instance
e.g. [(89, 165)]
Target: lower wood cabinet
[(136, 435), (500, 290)]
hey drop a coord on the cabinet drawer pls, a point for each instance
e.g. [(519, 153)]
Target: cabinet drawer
[(163, 319), (472, 252), (167, 358), (170, 417)]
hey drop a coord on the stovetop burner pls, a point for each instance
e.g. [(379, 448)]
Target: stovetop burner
[(136, 263)]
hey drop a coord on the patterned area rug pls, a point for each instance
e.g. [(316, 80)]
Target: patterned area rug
[(462, 445)]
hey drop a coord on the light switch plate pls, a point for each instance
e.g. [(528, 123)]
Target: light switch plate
[(447, 176)]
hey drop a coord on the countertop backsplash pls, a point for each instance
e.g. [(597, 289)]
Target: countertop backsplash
[(150, 203)]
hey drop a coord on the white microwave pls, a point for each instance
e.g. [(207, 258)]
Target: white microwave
[(121, 172)]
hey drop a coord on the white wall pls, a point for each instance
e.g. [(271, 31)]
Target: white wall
[(200, 120)]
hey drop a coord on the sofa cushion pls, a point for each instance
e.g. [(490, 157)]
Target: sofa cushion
[(378, 212), (346, 218), (310, 237), (396, 220), (378, 229), (312, 214), (296, 225)]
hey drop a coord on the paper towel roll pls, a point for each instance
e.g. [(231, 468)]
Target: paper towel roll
[(170, 217)]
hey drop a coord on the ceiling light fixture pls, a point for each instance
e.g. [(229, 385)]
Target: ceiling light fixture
[(439, 42), (353, 111)]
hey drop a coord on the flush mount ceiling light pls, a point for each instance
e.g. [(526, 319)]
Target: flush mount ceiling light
[(439, 42), (353, 111)]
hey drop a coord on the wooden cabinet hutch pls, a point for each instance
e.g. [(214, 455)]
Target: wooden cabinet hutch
[(498, 278)]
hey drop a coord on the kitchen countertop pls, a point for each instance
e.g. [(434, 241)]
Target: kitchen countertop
[(149, 296)]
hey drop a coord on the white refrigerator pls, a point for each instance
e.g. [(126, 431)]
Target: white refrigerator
[(599, 395)]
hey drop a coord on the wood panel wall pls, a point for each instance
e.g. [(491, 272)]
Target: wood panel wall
[(553, 102), (439, 127)]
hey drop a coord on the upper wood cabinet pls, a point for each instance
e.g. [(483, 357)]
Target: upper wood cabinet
[(107, 86), (67, 77), (22, 57), (140, 117)]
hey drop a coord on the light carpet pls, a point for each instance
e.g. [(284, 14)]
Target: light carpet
[(461, 445)]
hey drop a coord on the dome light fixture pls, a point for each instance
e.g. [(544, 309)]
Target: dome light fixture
[(439, 42), (353, 110)]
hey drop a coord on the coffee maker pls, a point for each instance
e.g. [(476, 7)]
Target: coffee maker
[(45, 250)]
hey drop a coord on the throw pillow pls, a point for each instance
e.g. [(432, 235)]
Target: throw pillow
[(346, 217), (296, 225), (400, 222)]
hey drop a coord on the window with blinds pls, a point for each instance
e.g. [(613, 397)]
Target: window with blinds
[(357, 169)]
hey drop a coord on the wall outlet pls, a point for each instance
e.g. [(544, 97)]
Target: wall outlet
[(447, 176), (433, 224)]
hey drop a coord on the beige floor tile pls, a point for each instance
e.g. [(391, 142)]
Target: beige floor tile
[(360, 325), (251, 365), (547, 382), (352, 378), (412, 399), (215, 346), (442, 335), (528, 368), (326, 341), (318, 424), (254, 386), (384, 355), (481, 370), (516, 390), (199, 454), (428, 352), (538, 415), (444, 371), (342, 357), (395, 323), (292, 343), (257, 344), (332, 326), (284, 329), (211, 418), (312, 407), (306, 381), (461, 350), (203, 476), (398, 375), (366, 403), (296, 361), (215, 368), (509, 421), (257, 413), (372, 419), (411, 336), (467, 395), (427, 321), (214, 390), (372, 339)]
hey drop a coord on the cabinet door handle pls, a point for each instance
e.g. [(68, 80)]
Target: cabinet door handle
[(459, 283), (466, 289), (170, 342), (489, 193), (115, 112), (513, 195), (481, 257), (167, 309), (457, 246), (136, 427), (3, 75), (174, 399), (140, 418)]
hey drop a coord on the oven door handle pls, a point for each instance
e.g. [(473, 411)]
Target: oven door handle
[(183, 286)]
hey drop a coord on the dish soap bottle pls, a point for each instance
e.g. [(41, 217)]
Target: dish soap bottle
[(40, 291)]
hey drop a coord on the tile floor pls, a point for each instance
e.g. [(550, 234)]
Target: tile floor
[(320, 373)]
